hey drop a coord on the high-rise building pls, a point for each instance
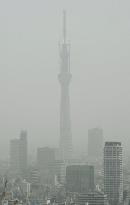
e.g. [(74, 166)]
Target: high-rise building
[(14, 155), (18, 153), (45, 156), (95, 143), (23, 151), (64, 79), (80, 178), (45, 161), (113, 172)]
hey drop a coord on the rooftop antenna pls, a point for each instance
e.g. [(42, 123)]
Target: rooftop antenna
[(64, 26)]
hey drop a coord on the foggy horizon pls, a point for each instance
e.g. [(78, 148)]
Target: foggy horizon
[(99, 34)]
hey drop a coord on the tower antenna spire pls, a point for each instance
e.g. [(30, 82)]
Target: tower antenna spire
[(64, 79), (64, 26)]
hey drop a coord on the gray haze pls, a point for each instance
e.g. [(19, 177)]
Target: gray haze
[(99, 31)]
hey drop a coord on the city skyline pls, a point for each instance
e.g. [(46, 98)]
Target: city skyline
[(65, 102), (29, 89)]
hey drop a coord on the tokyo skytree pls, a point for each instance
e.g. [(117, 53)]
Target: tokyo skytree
[(64, 79)]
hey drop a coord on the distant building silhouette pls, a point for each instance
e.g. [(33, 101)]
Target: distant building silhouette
[(45, 156), (80, 178), (95, 143), (14, 155), (19, 153), (45, 161), (64, 79), (113, 172), (23, 150)]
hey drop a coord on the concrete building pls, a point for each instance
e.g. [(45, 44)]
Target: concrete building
[(113, 172), (95, 143), (80, 178)]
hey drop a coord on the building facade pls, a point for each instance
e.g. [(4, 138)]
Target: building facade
[(113, 172), (95, 198), (45, 161), (19, 153), (95, 143), (80, 178), (14, 155), (23, 151)]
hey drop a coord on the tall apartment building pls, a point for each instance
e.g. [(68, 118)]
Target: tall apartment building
[(95, 143), (113, 172), (80, 178)]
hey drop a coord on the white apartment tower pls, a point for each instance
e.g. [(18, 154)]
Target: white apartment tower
[(113, 172)]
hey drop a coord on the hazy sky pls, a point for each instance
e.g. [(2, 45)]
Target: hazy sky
[(99, 32)]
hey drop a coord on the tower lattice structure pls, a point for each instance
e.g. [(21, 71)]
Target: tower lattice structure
[(64, 79)]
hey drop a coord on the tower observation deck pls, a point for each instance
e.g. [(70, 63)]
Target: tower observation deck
[(64, 79)]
